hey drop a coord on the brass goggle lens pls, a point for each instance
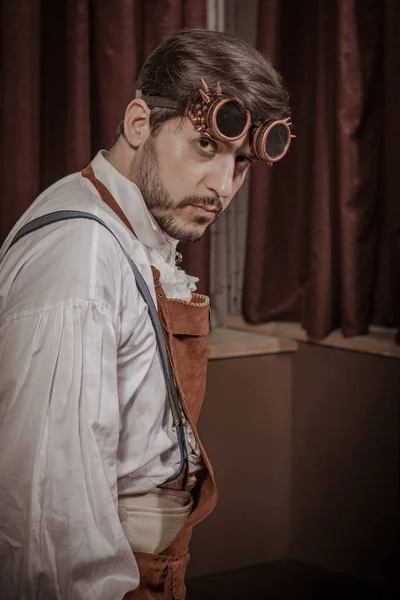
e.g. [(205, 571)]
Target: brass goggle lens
[(227, 120)]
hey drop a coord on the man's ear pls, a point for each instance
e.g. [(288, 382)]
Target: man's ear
[(137, 123)]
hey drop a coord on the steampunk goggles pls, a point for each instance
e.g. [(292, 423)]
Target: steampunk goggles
[(227, 120)]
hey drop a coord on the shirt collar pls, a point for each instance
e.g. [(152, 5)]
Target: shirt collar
[(128, 196)]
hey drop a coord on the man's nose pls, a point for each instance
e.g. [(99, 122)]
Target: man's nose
[(220, 180)]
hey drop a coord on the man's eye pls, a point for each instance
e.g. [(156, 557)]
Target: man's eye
[(244, 161), (207, 146)]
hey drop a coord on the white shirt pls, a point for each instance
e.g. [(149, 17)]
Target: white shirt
[(83, 410)]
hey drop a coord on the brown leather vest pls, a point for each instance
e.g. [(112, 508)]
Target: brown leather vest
[(186, 326)]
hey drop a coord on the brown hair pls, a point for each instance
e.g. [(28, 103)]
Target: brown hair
[(175, 68)]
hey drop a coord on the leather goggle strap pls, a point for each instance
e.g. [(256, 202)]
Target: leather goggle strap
[(107, 197)]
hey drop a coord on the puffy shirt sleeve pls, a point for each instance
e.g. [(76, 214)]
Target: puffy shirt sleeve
[(60, 535)]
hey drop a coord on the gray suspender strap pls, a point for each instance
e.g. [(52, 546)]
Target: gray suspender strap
[(144, 291)]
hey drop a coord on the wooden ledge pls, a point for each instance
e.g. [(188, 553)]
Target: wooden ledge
[(230, 343), (380, 341)]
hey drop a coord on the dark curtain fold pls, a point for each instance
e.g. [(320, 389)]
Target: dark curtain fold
[(68, 70), (323, 232)]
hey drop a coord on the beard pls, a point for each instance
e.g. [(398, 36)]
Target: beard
[(161, 204)]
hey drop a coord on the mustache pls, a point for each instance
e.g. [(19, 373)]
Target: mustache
[(212, 204)]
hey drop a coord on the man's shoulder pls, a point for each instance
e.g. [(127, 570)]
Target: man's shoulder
[(72, 192), (68, 261), (71, 260), (76, 233)]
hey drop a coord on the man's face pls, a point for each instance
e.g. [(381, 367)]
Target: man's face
[(188, 179)]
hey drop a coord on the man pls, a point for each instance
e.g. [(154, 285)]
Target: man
[(103, 340)]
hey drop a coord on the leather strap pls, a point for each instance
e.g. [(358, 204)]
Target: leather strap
[(107, 197)]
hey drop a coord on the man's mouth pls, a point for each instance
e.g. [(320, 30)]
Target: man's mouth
[(207, 209)]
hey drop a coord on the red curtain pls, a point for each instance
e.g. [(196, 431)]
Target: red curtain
[(323, 235), (68, 70)]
